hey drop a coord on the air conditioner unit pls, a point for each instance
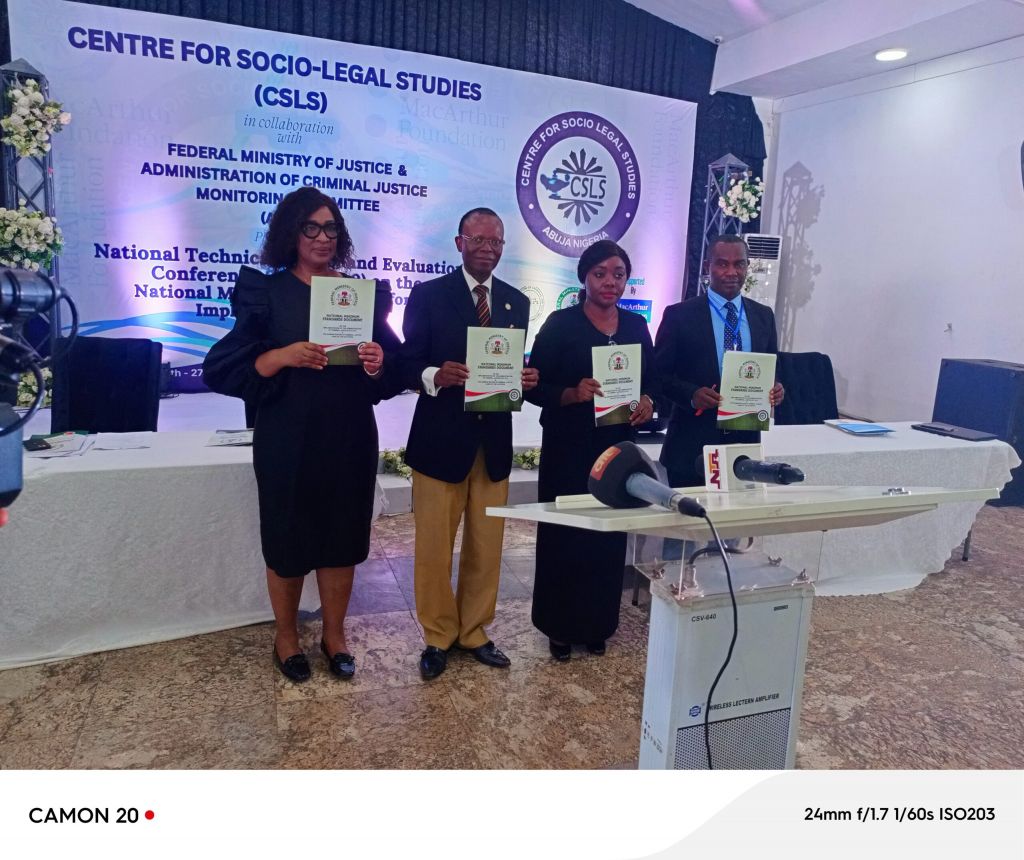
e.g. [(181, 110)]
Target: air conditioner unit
[(765, 262)]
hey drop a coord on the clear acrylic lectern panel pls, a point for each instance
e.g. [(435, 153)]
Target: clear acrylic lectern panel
[(693, 569)]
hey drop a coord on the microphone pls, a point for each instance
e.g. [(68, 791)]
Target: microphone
[(624, 477), (766, 473)]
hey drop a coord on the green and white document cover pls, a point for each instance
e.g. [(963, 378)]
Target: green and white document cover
[(495, 360), (747, 380), (617, 369), (341, 316)]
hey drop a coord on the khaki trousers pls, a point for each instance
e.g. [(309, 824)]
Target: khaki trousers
[(449, 617)]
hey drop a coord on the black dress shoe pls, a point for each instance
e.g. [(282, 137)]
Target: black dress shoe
[(342, 664), (560, 650), (433, 661), (596, 648), (295, 668), (489, 655)]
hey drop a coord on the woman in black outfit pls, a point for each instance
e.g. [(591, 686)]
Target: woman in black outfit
[(315, 442), (578, 583)]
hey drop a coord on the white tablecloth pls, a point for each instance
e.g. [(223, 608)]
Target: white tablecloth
[(900, 554), (119, 548)]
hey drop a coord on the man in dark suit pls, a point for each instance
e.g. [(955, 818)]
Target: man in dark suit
[(691, 342), (460, 460)]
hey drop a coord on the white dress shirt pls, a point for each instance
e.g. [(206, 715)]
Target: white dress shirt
[(471, 283)]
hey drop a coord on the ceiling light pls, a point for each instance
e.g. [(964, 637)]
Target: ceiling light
[(890, 55)]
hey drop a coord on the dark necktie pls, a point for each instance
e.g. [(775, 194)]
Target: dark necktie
[(483, 313), (732, 339)]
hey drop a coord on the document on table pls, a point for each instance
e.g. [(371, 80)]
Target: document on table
[(69, 444), (341, 316), (123, 441), (859, 428), (617, 369), (236, 438), (495, 360), (747, 380)]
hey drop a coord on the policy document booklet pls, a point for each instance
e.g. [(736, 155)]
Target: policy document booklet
[(617, 369), (341, 316), (747, 380), (495, 360)]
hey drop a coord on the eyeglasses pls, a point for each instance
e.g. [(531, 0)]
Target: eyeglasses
[(480, 241), (310, 229)]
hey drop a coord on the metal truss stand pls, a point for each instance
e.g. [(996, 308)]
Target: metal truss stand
[(30, 178), (716, 223)]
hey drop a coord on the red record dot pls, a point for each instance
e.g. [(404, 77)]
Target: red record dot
[(149, 814)]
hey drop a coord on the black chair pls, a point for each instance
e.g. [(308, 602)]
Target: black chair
[(810, 388), (106, 385)]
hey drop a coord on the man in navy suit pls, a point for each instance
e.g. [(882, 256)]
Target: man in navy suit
[(691, 342), (460, 460)]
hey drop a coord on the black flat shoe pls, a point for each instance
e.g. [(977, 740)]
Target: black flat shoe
[(488, 654), (433, 661), (295, 668), (342, 664), (596, 648), (559, 650)]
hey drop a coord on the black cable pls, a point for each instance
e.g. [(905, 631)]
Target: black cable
[(732, 550), (62, 346), (28, 364), (735, 633)]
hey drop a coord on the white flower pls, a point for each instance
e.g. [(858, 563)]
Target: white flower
[(65, 118)]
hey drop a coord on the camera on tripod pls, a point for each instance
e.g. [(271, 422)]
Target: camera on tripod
[(23, 295)]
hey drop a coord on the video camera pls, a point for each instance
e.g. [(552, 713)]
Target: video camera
[(23, 295)]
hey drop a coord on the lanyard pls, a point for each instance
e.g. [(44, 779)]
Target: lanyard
[(725, 322)]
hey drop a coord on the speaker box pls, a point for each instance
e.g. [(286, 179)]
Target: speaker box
[(986, 395)]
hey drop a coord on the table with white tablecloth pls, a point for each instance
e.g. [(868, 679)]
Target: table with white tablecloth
[(118, 548), (902, 553)]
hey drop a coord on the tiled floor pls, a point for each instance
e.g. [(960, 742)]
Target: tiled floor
[(929, 678)]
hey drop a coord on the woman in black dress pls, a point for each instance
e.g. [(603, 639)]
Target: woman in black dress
[(578, 582), (315, 442)]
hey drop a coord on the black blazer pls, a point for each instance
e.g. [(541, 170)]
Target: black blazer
[(444, 439), (685, 356)]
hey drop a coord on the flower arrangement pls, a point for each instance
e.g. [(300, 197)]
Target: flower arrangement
[(27, 388), (33, 120), (743, 199), (28, 239), (394, 463), (527, 459), (757, 267)]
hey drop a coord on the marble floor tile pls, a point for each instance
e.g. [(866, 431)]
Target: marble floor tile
[(843, 613), (396, 535), (509, 585), (930, 677), (53, 752), (520, 534), (580, 714), (375, 589), (386, 646), (38, 702), (229, 738), (413, 727), (959, 729), (520, 566), (188, 677)]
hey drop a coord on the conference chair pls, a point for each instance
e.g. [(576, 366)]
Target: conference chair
[(106, 385), (810, 388)]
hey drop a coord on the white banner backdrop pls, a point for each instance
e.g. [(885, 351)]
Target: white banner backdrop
[(185, 134)]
